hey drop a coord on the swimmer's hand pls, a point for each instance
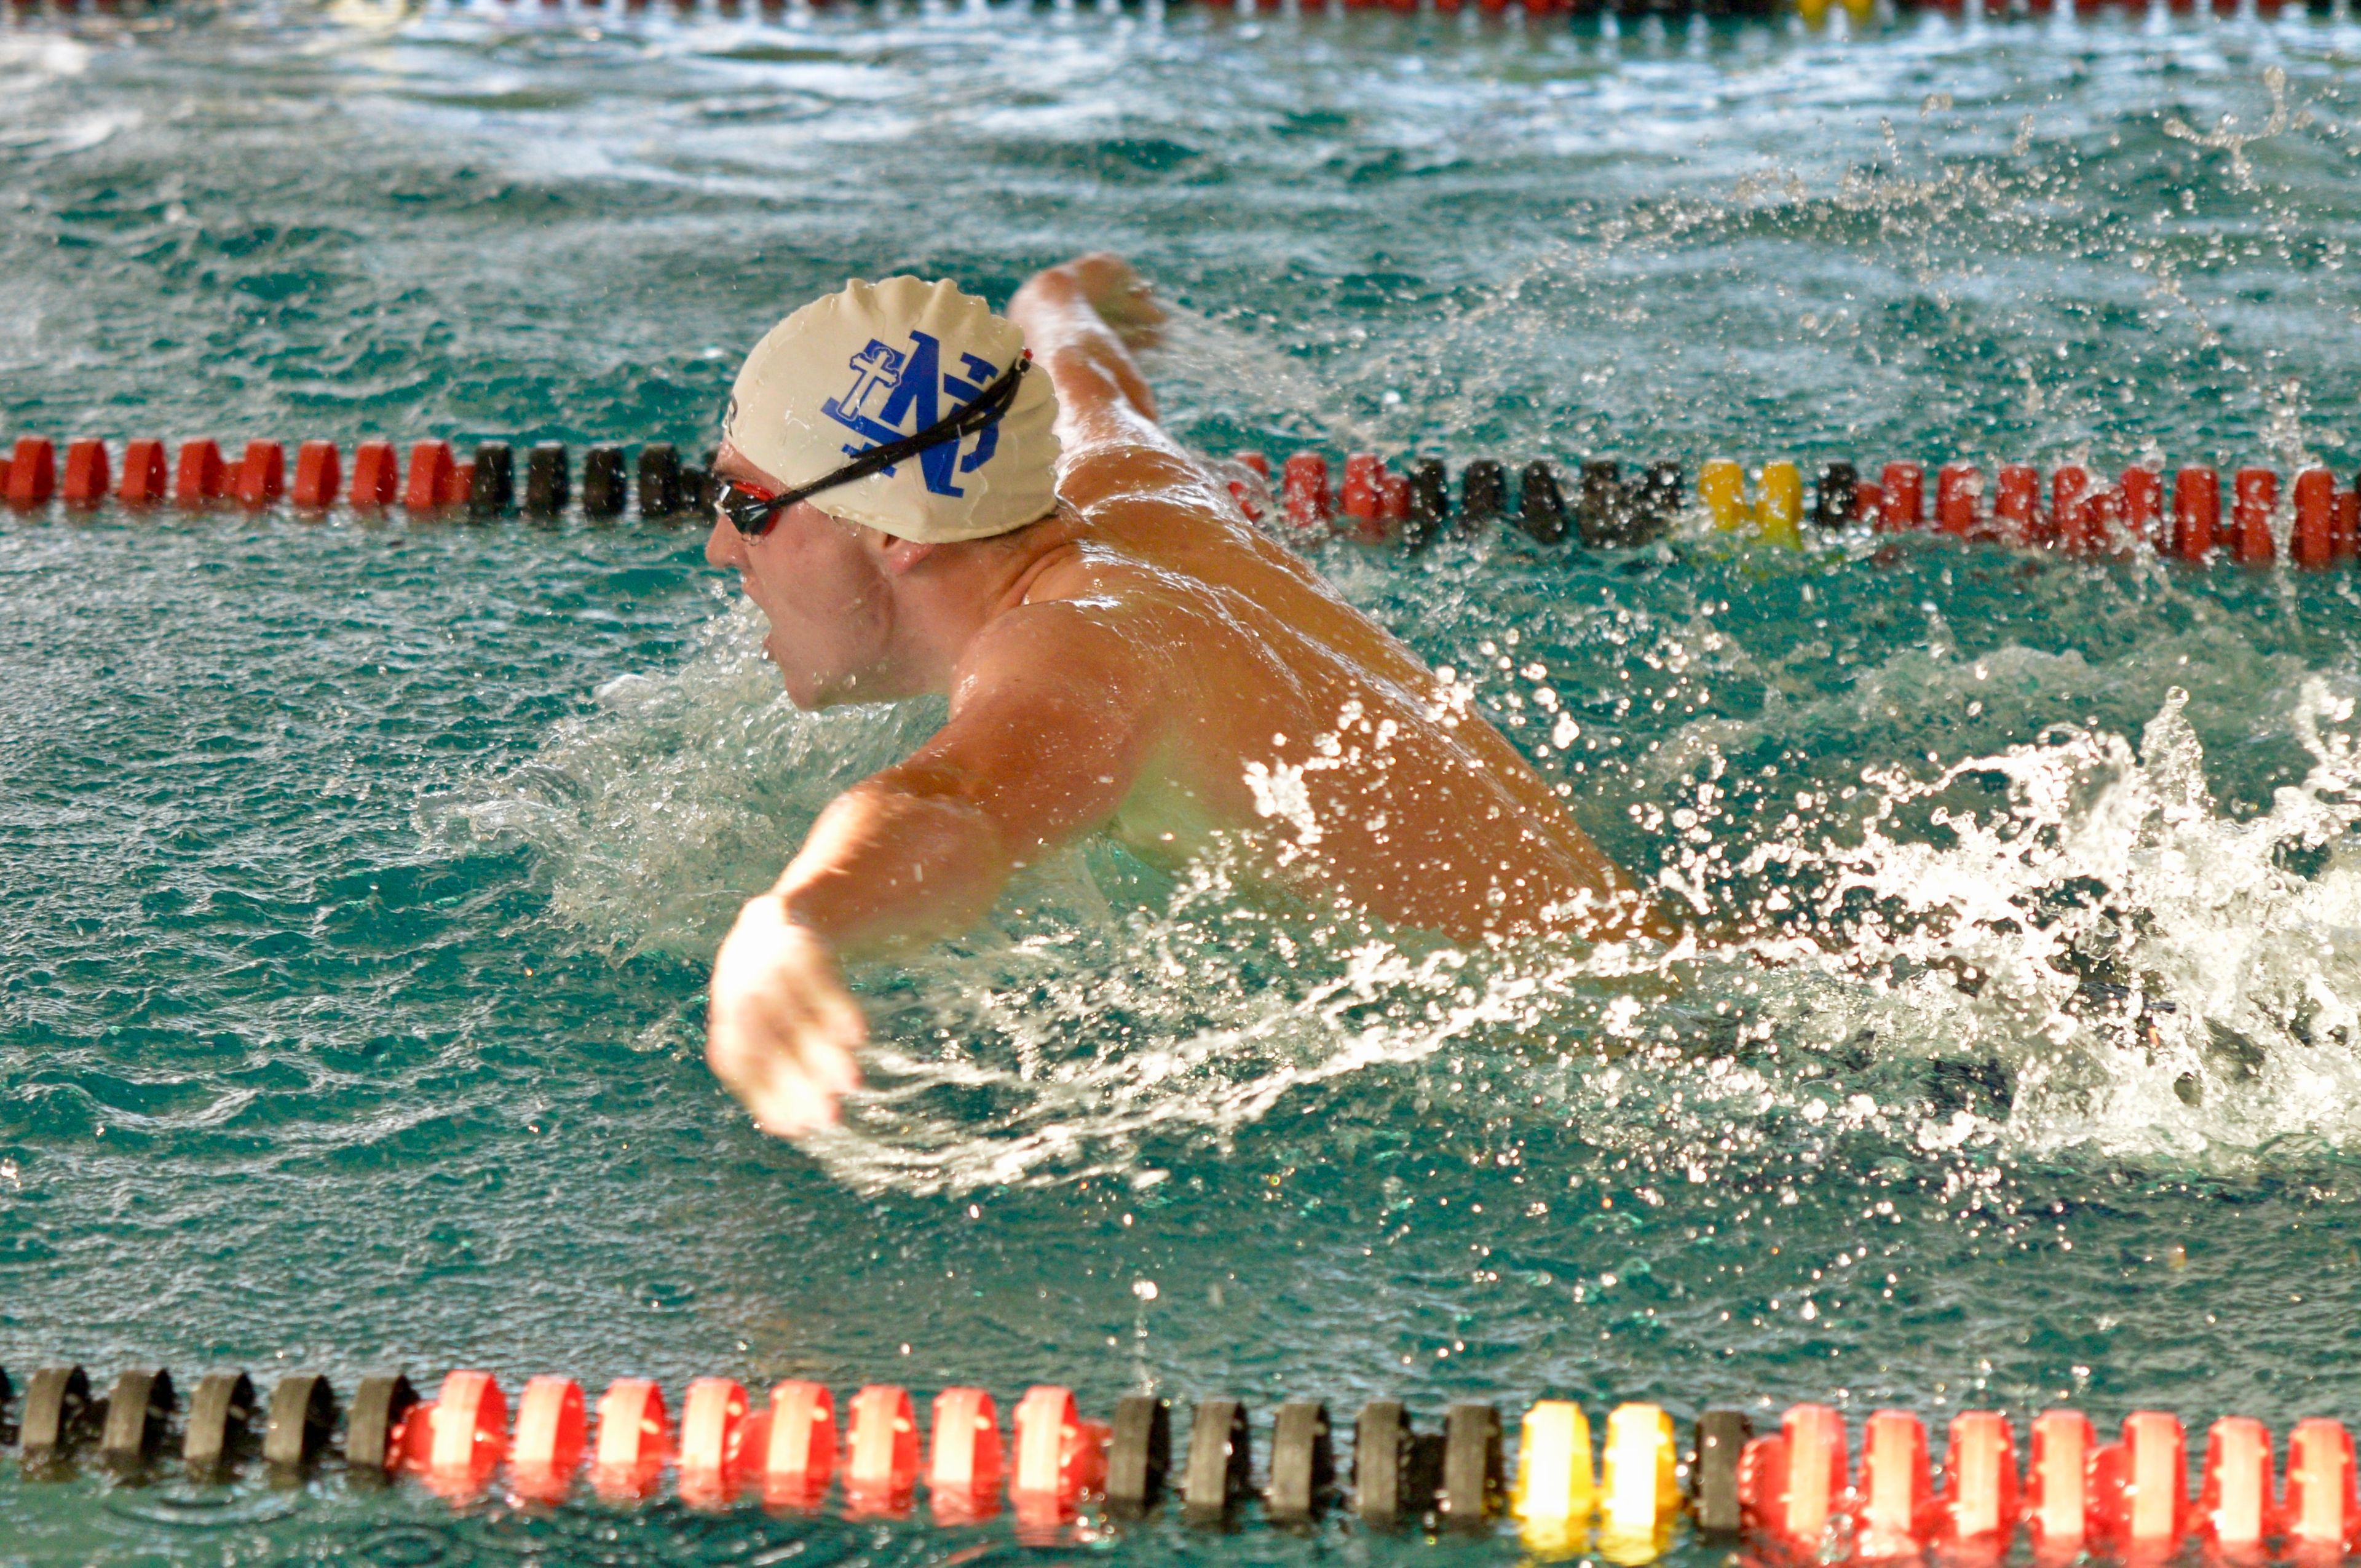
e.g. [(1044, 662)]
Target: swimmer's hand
[(782, 1028), (1120, 297)]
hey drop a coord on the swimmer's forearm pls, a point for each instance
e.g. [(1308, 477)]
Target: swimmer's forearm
[(1084, 356), (884, 866), (1050, 719)]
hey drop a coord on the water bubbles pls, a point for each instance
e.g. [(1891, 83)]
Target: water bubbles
[(2047, 946)]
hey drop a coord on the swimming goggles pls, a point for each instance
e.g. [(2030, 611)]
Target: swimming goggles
[(752, 511)]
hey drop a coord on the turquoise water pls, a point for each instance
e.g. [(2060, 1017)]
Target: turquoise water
[(359, 876)]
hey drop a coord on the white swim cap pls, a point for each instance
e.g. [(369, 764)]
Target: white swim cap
[(881, 361)]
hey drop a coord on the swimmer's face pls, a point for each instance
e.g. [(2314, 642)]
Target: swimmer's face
[(827, 596)]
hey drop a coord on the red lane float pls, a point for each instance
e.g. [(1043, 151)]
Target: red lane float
[(963, 1456), (1790, 1486), (1303, 488), (1979, 1505), (2077, 530), (376, 474), (1958, 488), (86, 477), (2144, 1486), (715, 1416), (1901, 498), (2256, 496), (2016, 501), (2097, 527), (1893, 1490), (2067, 488), (2312, 544), (2143, 493), (457, 1441), (1869, 503), (32, 472), (1815, 1469), (2058, 1485), (1243, 493), (2322, 1513), (1060, 1458), (2235, 1508), (197, 479), (1762, 1484), (262, 474), (1357, 497), (881, 1461), (319, 473), (1377, 501), (552, 1435), (635, 1439), (432, 471), (145, 474), (2196, 512), (797, 1444), (2344, 538)]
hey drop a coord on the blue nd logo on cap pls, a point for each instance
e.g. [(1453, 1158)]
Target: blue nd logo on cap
[(905, 387)]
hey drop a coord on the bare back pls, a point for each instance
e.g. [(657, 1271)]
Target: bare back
[(1286, 713)]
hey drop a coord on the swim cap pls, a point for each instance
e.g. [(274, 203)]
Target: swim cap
[(881, 361)]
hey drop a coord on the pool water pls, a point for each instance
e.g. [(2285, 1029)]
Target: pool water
[(358, 877)]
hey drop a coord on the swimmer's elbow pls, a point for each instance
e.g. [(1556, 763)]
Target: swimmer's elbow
[(1097, 403)]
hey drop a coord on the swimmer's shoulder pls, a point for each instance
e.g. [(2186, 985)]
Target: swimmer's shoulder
[(1173, 512), (1096, 632), (1126, 474)]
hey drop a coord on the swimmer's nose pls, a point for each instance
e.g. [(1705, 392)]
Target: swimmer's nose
[(723, 544)]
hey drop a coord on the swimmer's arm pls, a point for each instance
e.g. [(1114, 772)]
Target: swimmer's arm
[(1046, 738), (1076, 318), (1051, 724)]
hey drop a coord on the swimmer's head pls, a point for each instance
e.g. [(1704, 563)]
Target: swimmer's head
[(866, 582), (878, 363)]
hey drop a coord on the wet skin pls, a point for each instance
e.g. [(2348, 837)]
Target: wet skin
[(1142, 662)]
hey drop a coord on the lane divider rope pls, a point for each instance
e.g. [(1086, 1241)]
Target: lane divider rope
[(432, 478), (2314, 523), (1798, 1492)]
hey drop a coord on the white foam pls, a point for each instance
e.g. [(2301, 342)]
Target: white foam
[(685, 792), (1104, 1017)]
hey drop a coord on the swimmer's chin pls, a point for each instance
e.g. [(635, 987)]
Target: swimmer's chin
[(809, 692), (803, 692)]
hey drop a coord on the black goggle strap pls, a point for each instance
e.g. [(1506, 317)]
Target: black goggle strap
[(986, 409)]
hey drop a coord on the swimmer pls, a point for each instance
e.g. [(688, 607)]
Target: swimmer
[(1124, 653)]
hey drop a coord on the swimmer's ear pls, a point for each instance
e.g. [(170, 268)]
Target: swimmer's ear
[(901, 555)]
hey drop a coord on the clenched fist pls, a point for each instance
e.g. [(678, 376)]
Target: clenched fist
[(782, 1028)]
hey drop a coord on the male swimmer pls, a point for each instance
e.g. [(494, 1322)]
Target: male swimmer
[(1123, 652)]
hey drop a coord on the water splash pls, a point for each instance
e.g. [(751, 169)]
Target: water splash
[(2157, 976), (1261, 383), (684, 794), (2071, 927)]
